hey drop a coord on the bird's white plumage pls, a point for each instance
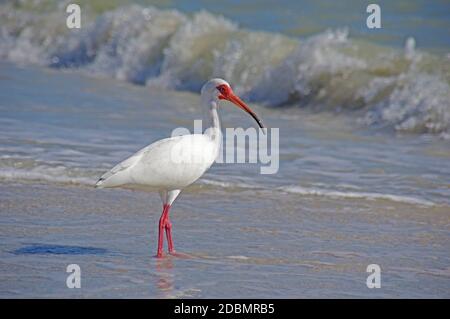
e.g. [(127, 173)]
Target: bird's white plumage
[(168, 164), (171, 164)]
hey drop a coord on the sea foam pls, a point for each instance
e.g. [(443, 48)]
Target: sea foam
[(404, 90)]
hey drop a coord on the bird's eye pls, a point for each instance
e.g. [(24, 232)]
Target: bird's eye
[(222, 89)]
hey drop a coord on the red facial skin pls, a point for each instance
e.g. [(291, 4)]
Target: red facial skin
[(226, 93)]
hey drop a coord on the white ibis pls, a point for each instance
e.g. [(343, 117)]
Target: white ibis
[(171, 164)]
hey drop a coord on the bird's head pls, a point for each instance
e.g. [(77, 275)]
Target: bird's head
[(218, 89)]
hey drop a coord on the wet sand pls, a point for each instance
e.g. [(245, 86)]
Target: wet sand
[(242, 243)]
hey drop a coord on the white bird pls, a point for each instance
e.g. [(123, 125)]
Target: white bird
[(171, 164)]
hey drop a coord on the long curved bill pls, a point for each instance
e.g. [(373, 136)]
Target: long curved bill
[(239, 103)]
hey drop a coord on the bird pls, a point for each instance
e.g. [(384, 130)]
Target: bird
[(169, 165)]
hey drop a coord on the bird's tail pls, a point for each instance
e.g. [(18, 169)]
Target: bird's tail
[(99, 183)]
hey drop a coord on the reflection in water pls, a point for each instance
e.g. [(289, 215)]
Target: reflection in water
[(165, 276)]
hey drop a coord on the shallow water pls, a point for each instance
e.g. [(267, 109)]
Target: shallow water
[(342, 68), (70, 128), (364, 166), (246, 245), (345, 197)]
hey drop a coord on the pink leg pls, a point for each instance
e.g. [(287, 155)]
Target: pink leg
[(168, 226), (162, 223)]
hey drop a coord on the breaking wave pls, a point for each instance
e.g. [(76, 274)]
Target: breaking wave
[(40, 172), (404, 90)]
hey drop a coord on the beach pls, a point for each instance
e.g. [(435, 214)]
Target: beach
[(263, 247), (362, 176)]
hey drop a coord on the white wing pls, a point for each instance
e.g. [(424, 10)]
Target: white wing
[(171, 163), (116, 174)]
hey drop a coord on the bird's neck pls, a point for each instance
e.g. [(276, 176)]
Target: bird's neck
[(211, 120)]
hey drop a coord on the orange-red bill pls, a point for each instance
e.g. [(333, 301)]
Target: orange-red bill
[(239, 103)]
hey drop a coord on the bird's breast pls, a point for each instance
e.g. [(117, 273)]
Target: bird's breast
[(176, 164)]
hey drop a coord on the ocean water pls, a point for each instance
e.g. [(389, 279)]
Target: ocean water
[(403, 87), (364, 165)]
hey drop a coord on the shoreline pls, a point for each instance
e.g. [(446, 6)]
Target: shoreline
[(111, 234)]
